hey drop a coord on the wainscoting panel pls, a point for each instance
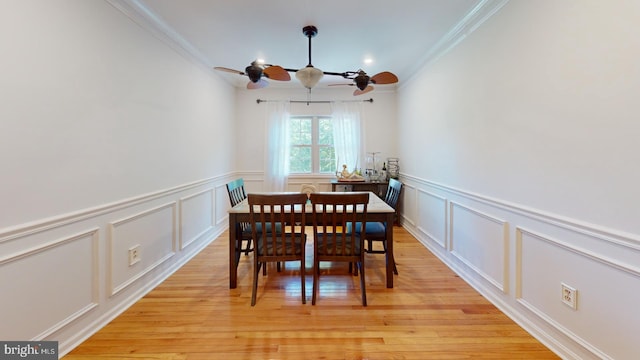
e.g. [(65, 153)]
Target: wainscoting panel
[(432, 216), (480, 241), (56, 282), (222, 203), (153, 232), (62, 278), (196, 216), (497, 245), (408, 205), (544, 263)]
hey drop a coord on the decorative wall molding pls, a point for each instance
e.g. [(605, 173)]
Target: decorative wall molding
[(520, 232), (133, 276), (183, 205), (18, 231), (500, 283), (142, 16), (483, 10), (409, 202), (442, 241), (593, 259), (591, 255), (222, 209), (45, 249), (631, 241)]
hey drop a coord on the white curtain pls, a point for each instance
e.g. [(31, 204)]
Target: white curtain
[(277, 146), (348, 134)]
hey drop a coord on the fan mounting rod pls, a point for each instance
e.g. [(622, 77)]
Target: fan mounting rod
[(310, 31)]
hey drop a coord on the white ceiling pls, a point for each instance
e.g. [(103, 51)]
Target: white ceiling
[(400, 36)]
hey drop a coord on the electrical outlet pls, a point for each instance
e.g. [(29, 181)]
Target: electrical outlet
[(569, 296), (134, 254)]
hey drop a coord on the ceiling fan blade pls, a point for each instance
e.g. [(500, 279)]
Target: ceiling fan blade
[(360, 92), (384, 77), (257, 85), (340, 84), (220, 68), (276, 72)]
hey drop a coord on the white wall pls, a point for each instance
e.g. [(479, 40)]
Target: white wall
[(379, 119), (109, 138), (519, 148)]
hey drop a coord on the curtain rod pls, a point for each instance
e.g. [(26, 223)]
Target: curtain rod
[(315, 101)]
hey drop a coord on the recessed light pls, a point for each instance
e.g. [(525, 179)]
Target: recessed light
[(368, 61)]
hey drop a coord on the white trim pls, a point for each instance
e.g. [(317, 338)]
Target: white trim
[(93, 234), (22, 230), (445, 231), (480, 13), (182, 243), (504, 286), (144, 17), (599, 232), (115, 289)]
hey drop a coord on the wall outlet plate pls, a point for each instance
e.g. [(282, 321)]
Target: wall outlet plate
[(569, 296), (134, 254)]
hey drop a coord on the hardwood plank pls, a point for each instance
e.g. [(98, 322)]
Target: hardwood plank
[(429, 314)]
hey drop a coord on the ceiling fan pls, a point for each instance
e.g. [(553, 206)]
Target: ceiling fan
[(309, 75), (362, 81), (257, 71)]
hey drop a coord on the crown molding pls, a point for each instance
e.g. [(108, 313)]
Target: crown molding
[(149, 21), (480, 13)]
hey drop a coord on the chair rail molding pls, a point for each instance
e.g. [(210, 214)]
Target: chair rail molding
[(631, 241), (34, 227)]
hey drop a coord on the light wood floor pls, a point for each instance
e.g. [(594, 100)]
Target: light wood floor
[(429, 314)]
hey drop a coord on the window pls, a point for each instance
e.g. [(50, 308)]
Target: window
[(311, 139)]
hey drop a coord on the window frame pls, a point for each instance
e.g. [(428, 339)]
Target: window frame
[(315, 145)]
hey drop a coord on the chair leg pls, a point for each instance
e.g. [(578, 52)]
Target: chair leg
[(316, 279), (395, 269), (256, 271), (353, 269), (248, 248), (238, 252), (362, 283), (302, 287)]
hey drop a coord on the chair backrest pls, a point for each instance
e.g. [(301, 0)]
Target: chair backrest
[(393, 193), (333, 213), (236, 191), (271, 211)]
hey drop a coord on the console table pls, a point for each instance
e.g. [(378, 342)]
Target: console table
[(377, 187)]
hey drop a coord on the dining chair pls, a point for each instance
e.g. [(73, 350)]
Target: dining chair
[(377, 231), (237, 194), (272, 210), (332, 213)]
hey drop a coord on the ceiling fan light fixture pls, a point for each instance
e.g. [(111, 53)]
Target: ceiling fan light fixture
[(362, 80), (309, 76), (254, 72)]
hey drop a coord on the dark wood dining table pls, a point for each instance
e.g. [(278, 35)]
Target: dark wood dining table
[(377, 210)]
